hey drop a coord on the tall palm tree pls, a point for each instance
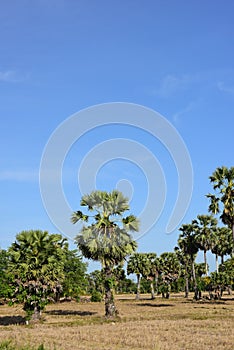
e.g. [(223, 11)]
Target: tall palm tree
[(105, 235), (36, 263), (184, 260), (224, 244), (187, 243), (169, 268), (222, 202), (152, 272), (138, 264), (206, 237)]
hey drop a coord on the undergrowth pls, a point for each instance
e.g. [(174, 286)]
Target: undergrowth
[(7, 345)]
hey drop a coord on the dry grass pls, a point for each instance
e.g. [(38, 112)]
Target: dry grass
[(160, 324)]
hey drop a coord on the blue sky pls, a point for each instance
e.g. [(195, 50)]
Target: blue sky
[(59, 57)]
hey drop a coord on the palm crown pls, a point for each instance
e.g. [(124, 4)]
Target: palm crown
[(105, 237)]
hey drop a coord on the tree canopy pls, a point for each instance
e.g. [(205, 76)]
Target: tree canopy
[(36, 264), (105, 236)]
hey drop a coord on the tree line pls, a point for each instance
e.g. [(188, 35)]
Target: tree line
[(39, 268)]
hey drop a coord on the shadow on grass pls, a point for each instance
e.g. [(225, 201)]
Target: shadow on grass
[(227, 299), (155, 305), (11, 320), (70, 312)]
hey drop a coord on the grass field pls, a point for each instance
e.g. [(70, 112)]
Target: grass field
[(176, 324)]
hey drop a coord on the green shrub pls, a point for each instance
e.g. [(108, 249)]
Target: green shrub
[(96, 296)]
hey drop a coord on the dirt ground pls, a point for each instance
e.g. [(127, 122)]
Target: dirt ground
[(177, 323)]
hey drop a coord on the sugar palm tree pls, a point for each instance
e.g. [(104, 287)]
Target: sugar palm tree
[(222, 202), (187, 243), (138, 264), (205, 226), (184, 260), (105, 235), (169, 268), (152, 272), (36, 263), (224, 244)]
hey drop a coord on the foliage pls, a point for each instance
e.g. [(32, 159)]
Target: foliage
[(224, 243), (7, 345), (139, 264), (96, 296), (225, 277), (187, 240), (122, 283), (106, 238), (96, 280), (169, 267), (200, 269), (205, 234), (222, 201), (169, 270), (75, 281), (5, 287), (188, 246), (36, 263), (105, 235)]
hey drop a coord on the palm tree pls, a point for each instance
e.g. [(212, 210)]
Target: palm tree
[(138, 264), (152, 272), (169, 268), (206, 237), (184, 260), (187, 243), (105, 235), (36, 263), (223, 200), (224, 244)]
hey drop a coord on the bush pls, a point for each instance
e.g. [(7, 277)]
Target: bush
[(96, 296)]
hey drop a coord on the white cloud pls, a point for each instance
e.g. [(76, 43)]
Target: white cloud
[(19, 175), (170, 84), (11, 76), (222, 87), (185, 110)]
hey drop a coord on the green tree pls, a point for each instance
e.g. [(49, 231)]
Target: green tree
[(138, 264), (36, 264), (184, 260), (75, 281), (96, 281), (224, 244), (169, 268), (5, 288), (152, 271), (187, 243), (224, 278), (222, 202), (206, 238), (105, 235)]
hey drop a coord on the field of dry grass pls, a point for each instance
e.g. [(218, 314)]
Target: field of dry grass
[(159, 324)]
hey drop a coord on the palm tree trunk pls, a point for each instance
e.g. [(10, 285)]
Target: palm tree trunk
[(194, 280), (36, 316), (152, 289), (110, 309), (186, 282), (217, 262), (233, 238), (156, 283), (138, 286), (205, 261)]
